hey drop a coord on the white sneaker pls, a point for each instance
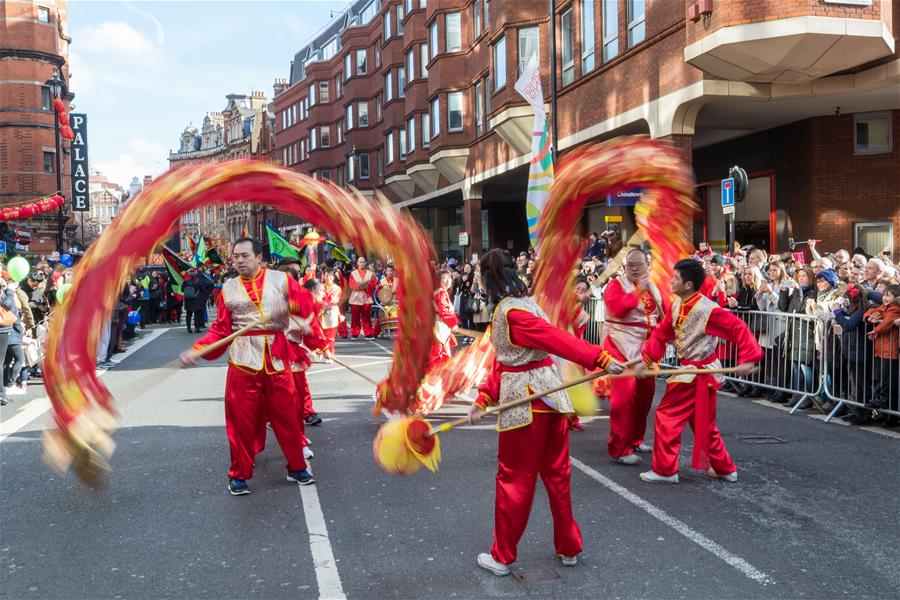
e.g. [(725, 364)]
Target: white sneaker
[(14, 391), (729, 477), (654, 477), (644, 448), (307, 453), (629, 459), (568, 561), (487, 562)]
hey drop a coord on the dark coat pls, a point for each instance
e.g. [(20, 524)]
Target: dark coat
[(799, 339)]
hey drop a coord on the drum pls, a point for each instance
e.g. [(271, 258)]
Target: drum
[(385, 295)]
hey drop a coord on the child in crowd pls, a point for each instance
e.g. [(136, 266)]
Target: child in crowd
[(886, 339)]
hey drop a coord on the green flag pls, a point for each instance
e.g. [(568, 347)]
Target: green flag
[(178, 268), (278, 246), (199, 258)]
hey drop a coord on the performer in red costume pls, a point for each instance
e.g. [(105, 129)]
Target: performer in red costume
[(695, 323), (259, 385), (331, 318), (341, 281), (362, 282), (534, 438), (445, 323), (633, 308), (307, 330), (386, 290)]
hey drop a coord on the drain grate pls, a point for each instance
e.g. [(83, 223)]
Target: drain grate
[(761, 439), (536, 574)]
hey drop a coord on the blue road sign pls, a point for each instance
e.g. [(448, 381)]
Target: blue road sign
[(2, 247), (727, 192)]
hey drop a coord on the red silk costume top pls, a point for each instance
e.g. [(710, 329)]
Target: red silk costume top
[(631, 314)]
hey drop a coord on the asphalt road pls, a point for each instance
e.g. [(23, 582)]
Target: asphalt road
[(815, 515)]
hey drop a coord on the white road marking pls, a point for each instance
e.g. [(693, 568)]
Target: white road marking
[(382, 348), (339, 368), (327, 576), (698, 538), (39, 406)]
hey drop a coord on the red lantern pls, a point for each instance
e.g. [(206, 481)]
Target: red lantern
[(67, 133), (63, 119), (26, 212), (58, 105)]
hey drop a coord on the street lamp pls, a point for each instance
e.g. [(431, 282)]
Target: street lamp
[(56, 86), (354, 156)]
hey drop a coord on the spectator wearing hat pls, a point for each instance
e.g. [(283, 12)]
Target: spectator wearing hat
[(714, 285), (35, 287)]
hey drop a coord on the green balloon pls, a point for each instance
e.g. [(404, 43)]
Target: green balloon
[(18, 268), (61, 292)]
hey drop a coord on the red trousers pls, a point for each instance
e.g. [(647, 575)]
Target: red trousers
[(675, 411), (304, 397), (330, 336), (542, 447), (630, 402), (342, 325), (250, 401), (360, 314)]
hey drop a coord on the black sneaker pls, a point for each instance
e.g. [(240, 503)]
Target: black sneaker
[(190, 330), (302, 477), (238, 487), (313, 419)]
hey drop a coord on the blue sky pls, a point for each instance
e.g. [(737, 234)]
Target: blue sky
[(142, 71)]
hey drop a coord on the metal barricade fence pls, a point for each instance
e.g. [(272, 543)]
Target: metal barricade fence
[(805, 356)]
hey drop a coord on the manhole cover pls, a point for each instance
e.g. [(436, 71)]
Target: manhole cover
[(536, 574), (761, 439)]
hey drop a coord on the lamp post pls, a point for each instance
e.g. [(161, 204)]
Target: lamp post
[(56, 86), (354, 156)]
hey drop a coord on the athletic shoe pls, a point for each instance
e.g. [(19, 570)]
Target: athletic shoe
[(629, 459), (238, 487), (307, 453), (729, 477), (313, 419), (654, 477), (568, 561), (644, 448), (190, 330), (487, 562), (302, 477)]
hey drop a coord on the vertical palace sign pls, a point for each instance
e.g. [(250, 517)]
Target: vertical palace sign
[(81, 199)]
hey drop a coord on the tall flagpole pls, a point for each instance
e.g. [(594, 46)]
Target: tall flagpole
[(553, 138)]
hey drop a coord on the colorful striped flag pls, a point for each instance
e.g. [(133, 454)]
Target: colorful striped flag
[(178, 269), (540, 173)]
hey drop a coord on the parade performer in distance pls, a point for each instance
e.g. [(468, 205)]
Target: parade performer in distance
[(306, 332), (340, 280), (259, 385), (534, 439), (362, 284), (695, 324), (331, 317), (633, 309), (386, 292), (446, 322)]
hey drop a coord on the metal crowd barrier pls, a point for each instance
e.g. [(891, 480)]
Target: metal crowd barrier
[(804, 356)]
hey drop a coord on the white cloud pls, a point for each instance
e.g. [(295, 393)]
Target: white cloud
[(139, 157), (118, 41)]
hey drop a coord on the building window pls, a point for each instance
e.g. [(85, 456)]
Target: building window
[(453, 32), (340, 131), (349, 117), (325, 174), (43, 14), (411, 134), (433, 40), (379, 159), (479, 109), (351, 168), (361, 67), (500, 64), (567, 34), (426, 130), (476, 10), (389, 148), (48, 162), (347, 67), (338, 87), (312, 140), (331, 48), (872, 134), (587, 36), (362, 114), (410, 64), (312, 94), (873, 236), (292, 116), (368, 12), (387, 24), (637, 17), (402, 139), (323, 91), (423, 60), (379, 101), (325, 135), (529, 41), (409, 6), (376, 52), (487, 107), (400, 16), (388, 86), (401, 82), (435, 117), (454, 111), (46, 98), (610, 29), (363, 166)]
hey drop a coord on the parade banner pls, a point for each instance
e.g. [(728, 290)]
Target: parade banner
[(278, 246), (81, 198), (540, 173)]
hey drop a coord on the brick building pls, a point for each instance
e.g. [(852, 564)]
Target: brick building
[(416, 99), (34, 43), (244, 129)]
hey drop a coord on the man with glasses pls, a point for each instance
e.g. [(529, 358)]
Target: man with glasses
[(633, 308)]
